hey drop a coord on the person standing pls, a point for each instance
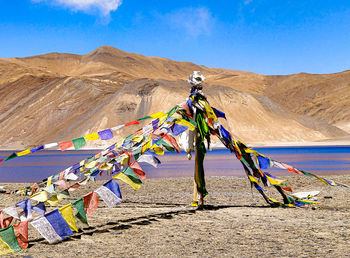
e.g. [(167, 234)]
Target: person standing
[(195, 140)]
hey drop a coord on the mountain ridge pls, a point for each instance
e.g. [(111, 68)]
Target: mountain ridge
[(61, 96)]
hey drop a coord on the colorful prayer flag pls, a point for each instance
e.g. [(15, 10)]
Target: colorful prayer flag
[(81, 214), (90, 203), (67, 213), (79, 143), (65, 145), (106, 134)]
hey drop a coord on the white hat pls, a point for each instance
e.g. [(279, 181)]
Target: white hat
[(196, 78)]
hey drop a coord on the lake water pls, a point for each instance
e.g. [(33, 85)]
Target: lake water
[(324, 160)]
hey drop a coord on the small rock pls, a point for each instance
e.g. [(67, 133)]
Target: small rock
[(328, 197)]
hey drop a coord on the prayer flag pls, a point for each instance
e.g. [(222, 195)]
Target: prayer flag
[(21, 233), (150, 159), (157, 115), (117, 127), (5, 248), (106, 134), (12, 156), (12, 211), (79, 143), (44, 227), (92, 136), (50, 145), (219, 113), (263, 162), (26, 205), (132, 123), (177, 129), (4, 223), (67, 213), (74, 187), (37, 148), (90, 202), (81, 214), (7, 235), (137, 170), (59, 224), (42, 195), (65, 145), (62, 184), (22, 153), (39, 208), (110, 193), (128, 181)]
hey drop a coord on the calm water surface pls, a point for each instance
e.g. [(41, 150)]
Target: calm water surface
[(325, 160)]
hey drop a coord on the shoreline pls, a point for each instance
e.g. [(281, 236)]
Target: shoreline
[(221, 146)]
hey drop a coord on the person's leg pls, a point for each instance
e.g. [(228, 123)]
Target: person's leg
[(199, 171)]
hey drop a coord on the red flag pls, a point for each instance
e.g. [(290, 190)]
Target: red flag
[(74, 187), (21, 233), (65, 145), (90, 202), (135, 166), (132, 123), (1, 160), (291, 169), (172, 141), (4, 223), (62, 184)]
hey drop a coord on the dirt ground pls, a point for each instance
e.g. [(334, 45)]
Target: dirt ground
[(155, 221)]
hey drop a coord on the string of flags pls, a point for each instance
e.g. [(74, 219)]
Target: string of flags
[(80, 142), (122, 161)]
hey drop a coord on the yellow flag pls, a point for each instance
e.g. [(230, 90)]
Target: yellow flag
[(127, 180), (275, 181), (92, 136), (5, 248), (146, 146), (186, 123), (125, 159), (22, 153), (40, 196), (54, 200), (82, 167), (157, 150), (49, 181), (157, 115), (208, 110), (137, 138), (67, 213), (252, 179), (91, 164)]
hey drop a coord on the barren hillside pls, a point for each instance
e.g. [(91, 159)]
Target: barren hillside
[(56, 97)]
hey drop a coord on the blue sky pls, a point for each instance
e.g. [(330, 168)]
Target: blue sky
[(262, 36)]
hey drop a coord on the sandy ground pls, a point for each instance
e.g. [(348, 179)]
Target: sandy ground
[(155, 221)]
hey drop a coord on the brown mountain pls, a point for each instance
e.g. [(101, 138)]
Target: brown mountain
[(57, 97)]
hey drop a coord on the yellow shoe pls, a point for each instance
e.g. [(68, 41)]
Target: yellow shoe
[(194, 204)]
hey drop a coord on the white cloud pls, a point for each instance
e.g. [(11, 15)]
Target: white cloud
[(104, 7), (194, 21)]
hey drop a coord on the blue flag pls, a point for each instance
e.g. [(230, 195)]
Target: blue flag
[(114, 187), (59, 224), (263, 162), (219, 113)]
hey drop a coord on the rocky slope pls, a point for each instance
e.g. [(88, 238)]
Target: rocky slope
[(56, 97)]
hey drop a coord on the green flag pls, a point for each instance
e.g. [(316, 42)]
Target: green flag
[(81, 215), (79, 143), (8, 236)]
